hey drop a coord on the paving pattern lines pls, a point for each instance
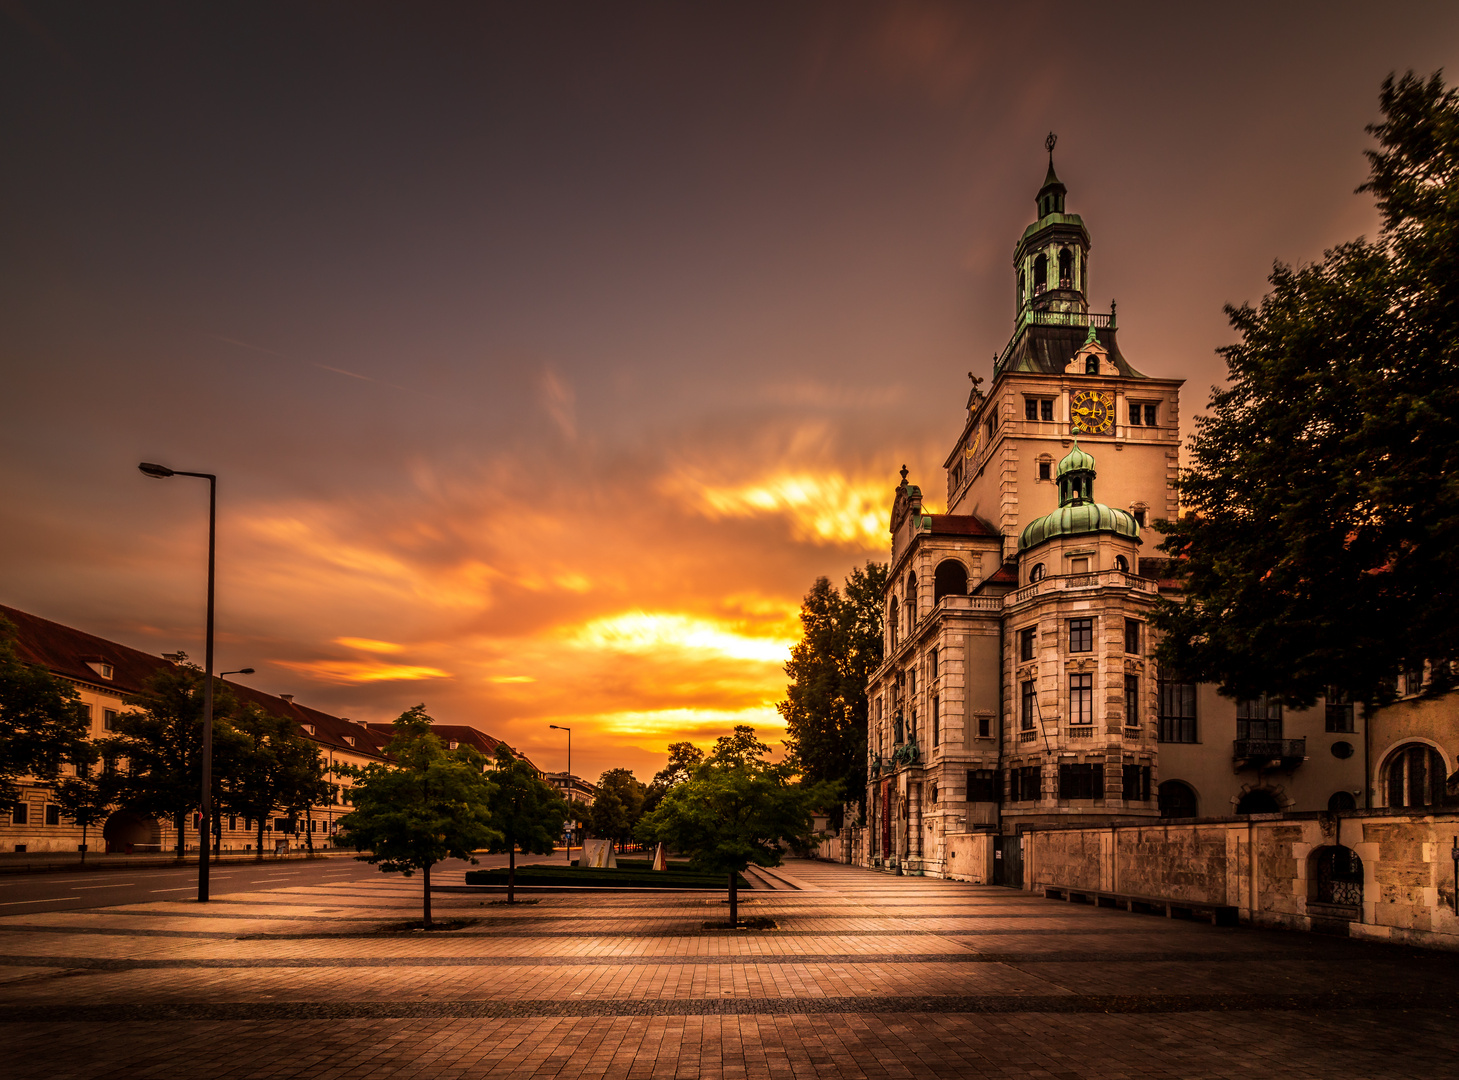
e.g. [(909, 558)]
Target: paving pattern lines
[(1217, 1046)]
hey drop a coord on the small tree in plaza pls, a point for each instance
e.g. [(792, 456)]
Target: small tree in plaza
[(618, 805), (42, 723), (430, 804), (527, 812), (738, 810)]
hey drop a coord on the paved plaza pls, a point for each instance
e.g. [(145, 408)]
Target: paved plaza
[(865, 976)]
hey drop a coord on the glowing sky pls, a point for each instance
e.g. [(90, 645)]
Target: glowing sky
[(547, 353)]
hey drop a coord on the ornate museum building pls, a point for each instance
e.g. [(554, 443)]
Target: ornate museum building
[(1017, 688)]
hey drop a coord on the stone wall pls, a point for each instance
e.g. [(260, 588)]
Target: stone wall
[(1408, 873), (970, 857)]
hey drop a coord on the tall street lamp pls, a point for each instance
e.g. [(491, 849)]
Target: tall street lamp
[(162, 472), (571, 813)]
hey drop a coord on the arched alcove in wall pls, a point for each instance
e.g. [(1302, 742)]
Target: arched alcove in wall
[(1176, 800), (950, 579)]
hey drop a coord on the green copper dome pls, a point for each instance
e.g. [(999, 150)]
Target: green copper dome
[(1078, 514), (1076, 459)]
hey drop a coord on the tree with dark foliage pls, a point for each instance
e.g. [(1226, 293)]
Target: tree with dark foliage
[(1321, 544), (525, 811), (825, 707), (42, 722)]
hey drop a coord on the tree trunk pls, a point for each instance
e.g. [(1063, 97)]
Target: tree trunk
[(511, 871), (180, 822), (260, 839), (309, 828), (83, 845), (426, 922), (734, 883)]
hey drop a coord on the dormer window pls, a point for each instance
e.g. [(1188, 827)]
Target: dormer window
[(350, 739), (308, 729), (101, 667), (452, 745)]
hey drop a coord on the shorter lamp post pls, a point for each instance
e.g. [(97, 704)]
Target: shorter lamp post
[(571, 813)]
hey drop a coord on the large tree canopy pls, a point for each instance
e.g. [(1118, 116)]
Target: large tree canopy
[(42, 723), (825, 706), (1321, 547)]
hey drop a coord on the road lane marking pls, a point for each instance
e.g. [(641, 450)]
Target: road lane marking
[(118, 885), (185, 888), (47, 900)]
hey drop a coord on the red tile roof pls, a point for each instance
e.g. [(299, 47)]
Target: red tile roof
[(961, 525)]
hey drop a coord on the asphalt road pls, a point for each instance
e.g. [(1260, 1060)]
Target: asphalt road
[(27, 894)]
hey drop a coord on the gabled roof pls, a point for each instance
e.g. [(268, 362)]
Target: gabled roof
[(64, 650)]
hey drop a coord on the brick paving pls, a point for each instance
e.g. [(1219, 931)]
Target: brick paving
[(866, 976)]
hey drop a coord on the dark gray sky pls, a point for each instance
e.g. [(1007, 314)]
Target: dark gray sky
[(548, 353)]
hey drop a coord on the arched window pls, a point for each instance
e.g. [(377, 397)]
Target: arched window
[(1122, 564), (1091, 364), (1342, 800), (1258, 801), (951, 579), (1022, 287), (1414, 776), (1176, 800), (1040, 274), (1036, 574), (911, 604), (892, 620), (1066, 268), (1335, 876)]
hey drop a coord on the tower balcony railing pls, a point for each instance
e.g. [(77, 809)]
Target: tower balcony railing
[(1098, 579), (1031, 317)]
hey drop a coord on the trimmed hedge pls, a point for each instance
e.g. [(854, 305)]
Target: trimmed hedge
[(622, 877)]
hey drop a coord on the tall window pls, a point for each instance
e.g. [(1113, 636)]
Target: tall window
[(1040, 274), (1081, 781), (1081, 635), (936, 722), (1177, 711), (1025, 643), (1339, 710), (108, 719), (983, 786), (1149, 415), (1136, 782), (1132, 636), (20, 814), (1081, 698), (1025, 782), (1132, 701), (1046, 410), (53, 814), (1259, 718), (1030, 408), (911, 602), (892, 620), (932, 664), (1026, 706), (1414, 776), (1066, 268)]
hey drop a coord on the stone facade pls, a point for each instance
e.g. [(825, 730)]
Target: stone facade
[(1017, 690)]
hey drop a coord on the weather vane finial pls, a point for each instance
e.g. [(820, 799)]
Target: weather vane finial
[(1049, 144)]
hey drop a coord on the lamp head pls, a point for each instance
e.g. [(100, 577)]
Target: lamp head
[(161, 472)]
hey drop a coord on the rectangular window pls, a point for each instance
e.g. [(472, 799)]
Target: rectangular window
[(1025, 782), (108, 719), (1136, 782), (232, 824), (1259, 718), (83, 769), (1339, 710), (1025, 644), (1177, 711), (936, 722), (1132, 636), (1132, 701), (983, 786), (53, 814), (1081, 781), (1026, 706), (20, 814), (1135, 414), (1030, 408), (1149, 415), (1046, 410), (1081, 635), (932, 664), (1046, 470), (1081, 698), (85, 711), (1413, 680), (985, 726)]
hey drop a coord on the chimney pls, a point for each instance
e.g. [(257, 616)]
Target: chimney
[(287, 698)]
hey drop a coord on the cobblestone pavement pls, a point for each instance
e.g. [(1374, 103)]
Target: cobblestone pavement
[(865, 976)]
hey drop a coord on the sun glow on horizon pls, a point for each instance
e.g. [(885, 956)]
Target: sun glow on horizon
[(827, 508)]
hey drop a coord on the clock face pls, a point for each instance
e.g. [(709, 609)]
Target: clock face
[(1093, 412)]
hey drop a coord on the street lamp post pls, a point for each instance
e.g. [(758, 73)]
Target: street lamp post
[(205, 817), (571, 813)]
